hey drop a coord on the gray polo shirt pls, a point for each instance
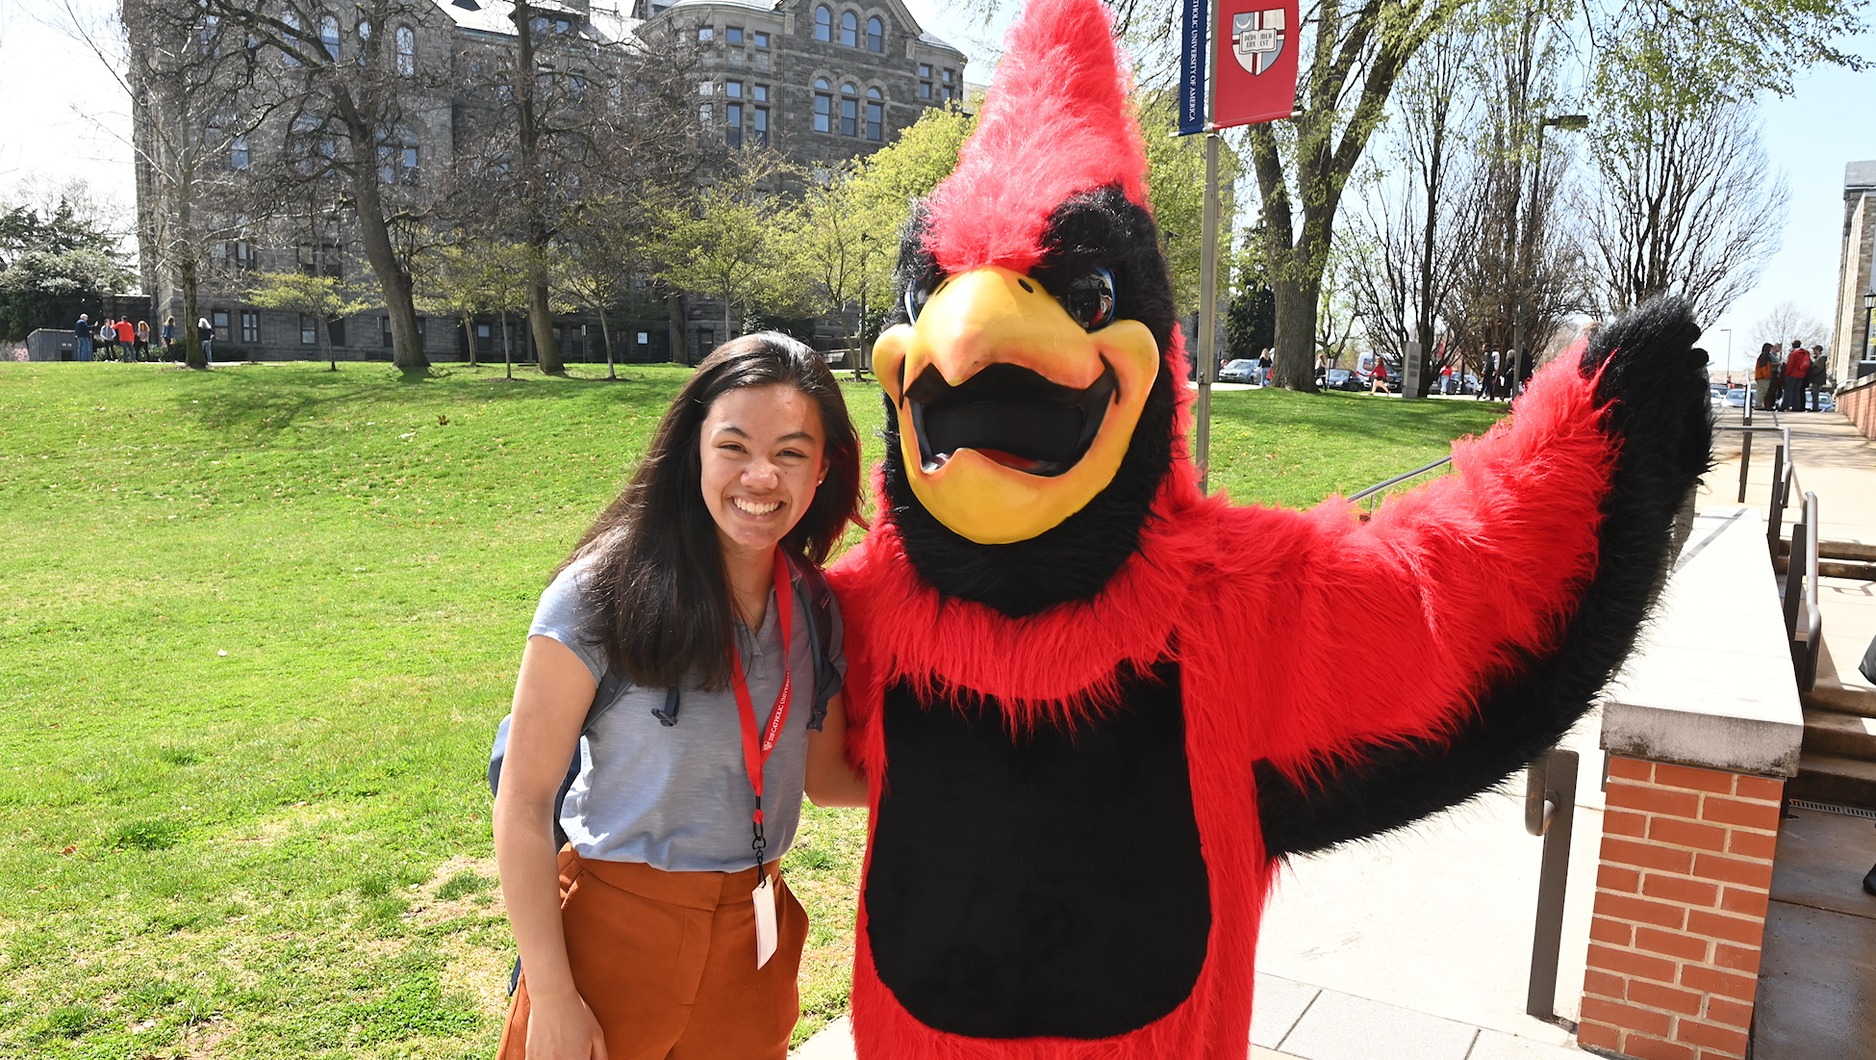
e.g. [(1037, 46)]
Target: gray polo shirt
[(678, 797)]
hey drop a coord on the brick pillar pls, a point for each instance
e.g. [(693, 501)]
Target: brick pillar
[(1680, 911)]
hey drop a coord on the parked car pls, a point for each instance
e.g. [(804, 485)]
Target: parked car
[(1341, 379), (1736, 397), (1241, 370)]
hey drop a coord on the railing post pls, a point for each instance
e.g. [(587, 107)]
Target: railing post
[(1549, 811), (1745, 460)]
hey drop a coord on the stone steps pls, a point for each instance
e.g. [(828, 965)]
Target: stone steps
[(1834, 779), (1843, 735)]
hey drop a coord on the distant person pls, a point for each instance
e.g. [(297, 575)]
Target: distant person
[(1377, 383), (81, 331), (1263, 367), (143, 340), (169, 338), (1488, 376), (1819, 379), (107, 340), (1762, 378), (1797, 376), (207, 336), (127, 340)]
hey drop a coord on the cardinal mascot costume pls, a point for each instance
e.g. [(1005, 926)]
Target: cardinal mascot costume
[(1081, 783)]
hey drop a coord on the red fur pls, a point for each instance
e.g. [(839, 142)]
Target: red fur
[(1446, 585), (1056, 124)]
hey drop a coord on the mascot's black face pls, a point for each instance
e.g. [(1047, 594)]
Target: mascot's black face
[(1030, 416)]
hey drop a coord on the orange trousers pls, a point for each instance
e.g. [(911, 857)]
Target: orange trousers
[(667, 962)]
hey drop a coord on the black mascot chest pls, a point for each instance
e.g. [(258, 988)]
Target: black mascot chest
[(1045, 883)]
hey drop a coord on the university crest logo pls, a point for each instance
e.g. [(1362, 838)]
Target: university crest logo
[(1257, 39)]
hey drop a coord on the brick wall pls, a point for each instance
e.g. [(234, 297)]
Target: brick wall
[(1680, 911), (1859, 403)]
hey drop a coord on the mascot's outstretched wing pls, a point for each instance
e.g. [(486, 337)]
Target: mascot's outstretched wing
[(1642, 374)]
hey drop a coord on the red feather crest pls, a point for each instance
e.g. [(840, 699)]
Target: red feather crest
[(1056, 123)]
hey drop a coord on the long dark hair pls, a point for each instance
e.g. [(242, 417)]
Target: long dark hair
[(663, 611)]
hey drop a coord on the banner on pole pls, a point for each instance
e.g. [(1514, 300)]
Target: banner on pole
[(1255, 59), (1194, 42)]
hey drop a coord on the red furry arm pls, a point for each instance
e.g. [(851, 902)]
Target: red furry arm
[(1390, 628)]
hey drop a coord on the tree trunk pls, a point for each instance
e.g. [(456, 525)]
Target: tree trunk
[(508, 357), (193, 354), (469, 337), (394, 282), (605, 335), (1295, 361), (541, 327), (674, 313)]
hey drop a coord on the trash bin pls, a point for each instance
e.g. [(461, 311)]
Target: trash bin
[(65, 351)]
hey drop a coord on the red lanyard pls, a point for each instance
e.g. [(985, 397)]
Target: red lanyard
[(757, 747)]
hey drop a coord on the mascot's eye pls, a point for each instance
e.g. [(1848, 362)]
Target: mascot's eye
[(915, 298), (1090, 299)]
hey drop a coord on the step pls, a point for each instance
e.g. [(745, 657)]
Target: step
[(1847, 550), (1831, 694), (1834, 779), (1834, 568), (1843, 735)]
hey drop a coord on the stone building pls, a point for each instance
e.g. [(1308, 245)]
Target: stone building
[(1854, 352), (819, 81)]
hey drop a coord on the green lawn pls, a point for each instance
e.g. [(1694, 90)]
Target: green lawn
[(256, 627)]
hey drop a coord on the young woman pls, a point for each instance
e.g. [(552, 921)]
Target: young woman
[(169, 338), (659, 935)]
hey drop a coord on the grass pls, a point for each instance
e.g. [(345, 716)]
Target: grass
[(258, 625)]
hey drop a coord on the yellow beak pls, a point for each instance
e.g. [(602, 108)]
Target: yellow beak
[(993, 316)]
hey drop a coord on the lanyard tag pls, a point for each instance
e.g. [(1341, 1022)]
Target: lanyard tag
[(764, 897)]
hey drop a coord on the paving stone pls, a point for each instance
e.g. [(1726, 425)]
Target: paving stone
[(1279, 1004), (1342, 1027), (1496, 1045)]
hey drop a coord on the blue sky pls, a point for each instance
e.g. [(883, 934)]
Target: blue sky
[(62, 115)]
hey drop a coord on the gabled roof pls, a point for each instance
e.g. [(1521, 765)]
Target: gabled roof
[(609, 20)]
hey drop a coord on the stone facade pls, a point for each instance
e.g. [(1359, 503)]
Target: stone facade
[(1854, 355), (820, 81)]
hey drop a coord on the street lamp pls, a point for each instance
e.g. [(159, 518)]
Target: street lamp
[(1522, 263), (1869, 332), (860, 361), (1729, 356)]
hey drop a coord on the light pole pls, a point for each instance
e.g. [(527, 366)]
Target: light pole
[(1869, 333), (860, 364), (1522, 266), (1729, 357)]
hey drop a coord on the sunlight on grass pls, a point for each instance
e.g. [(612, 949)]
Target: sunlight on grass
[(261, 623)]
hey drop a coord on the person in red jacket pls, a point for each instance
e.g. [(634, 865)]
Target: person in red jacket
[(1797, 371), (127, 339)]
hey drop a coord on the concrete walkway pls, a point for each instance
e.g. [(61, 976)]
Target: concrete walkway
[(1418, 945)]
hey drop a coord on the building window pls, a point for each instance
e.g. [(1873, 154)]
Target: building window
[(705, 114), (849, 111), (309, 330), (329, 36), (924, 80), (950, 84), (875, 35), (762, 38), (732, 34), (399, 159), (733, 89), (733, 124), (823, 106), (823, 23), (250, 326), (321, 259), (759, 126), (875, 115), (364, 38), (706, 34), (406, 39), (218, 320), (238, 254), (850, 29), (238, 153), (384, 326), (291, 37)]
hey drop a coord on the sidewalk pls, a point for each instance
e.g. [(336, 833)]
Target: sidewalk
[(1417, 947)]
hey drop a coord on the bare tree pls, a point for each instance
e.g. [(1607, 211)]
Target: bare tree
[(1786, 322), (565, 119), (1686, 205), (1420, 220)]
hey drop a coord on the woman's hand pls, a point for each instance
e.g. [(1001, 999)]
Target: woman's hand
[(562, 1027)]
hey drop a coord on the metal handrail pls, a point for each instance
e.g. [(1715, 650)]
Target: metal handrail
[(1402, 477), (1804, 541)]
